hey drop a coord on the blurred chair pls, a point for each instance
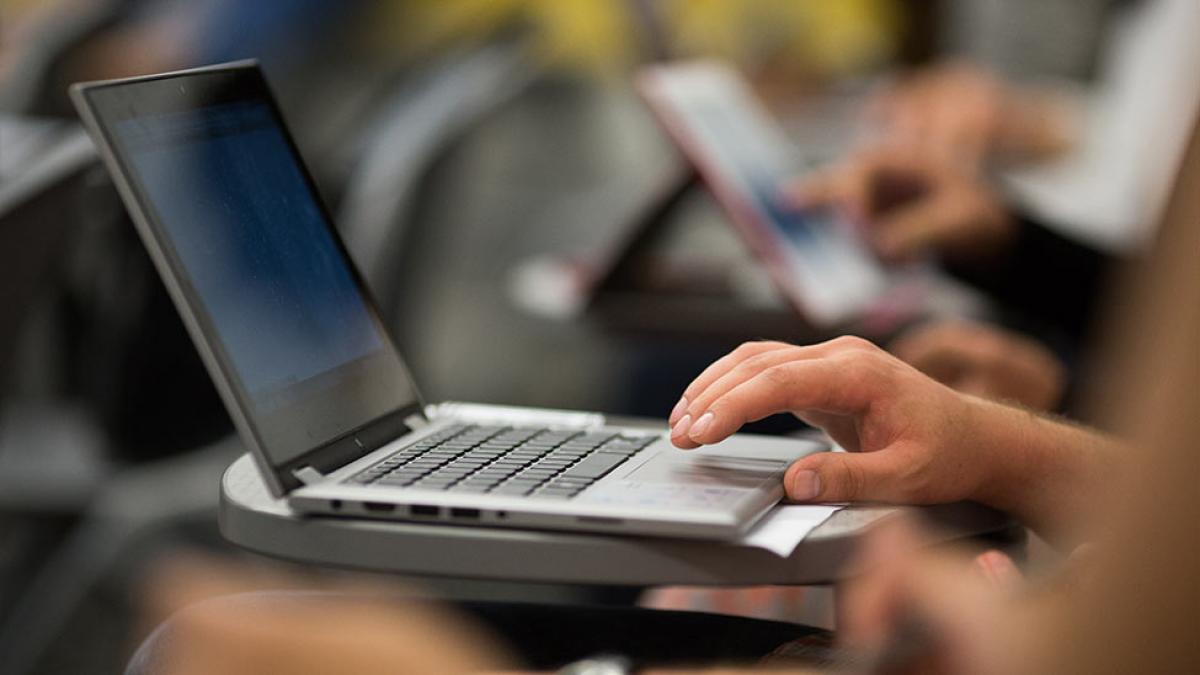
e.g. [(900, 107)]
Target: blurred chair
[(40, 173), (409, 131), (140, 508)]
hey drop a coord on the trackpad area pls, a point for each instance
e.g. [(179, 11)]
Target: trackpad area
[(736, 472)]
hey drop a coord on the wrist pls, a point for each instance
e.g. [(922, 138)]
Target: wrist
[(1040, 470), (1004, 452)]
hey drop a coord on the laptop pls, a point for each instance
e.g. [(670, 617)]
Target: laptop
[(314, 384)]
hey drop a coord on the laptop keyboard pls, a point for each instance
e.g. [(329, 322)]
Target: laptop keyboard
[(512, 461)]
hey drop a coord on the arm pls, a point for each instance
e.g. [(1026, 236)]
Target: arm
[(912, 203), (1044, 471), (913, 440)]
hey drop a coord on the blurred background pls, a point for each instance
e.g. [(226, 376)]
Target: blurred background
[(487, 162)]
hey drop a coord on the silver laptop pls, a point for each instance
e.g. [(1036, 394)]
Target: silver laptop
[(316, 388)]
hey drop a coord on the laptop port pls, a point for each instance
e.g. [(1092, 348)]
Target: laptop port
[(379, 507), (423, 510), (469, 514), (600, 520)]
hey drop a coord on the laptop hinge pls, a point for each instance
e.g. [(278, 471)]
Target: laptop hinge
[(308, 475)]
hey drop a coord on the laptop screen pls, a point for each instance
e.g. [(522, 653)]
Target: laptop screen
[(279, 303)]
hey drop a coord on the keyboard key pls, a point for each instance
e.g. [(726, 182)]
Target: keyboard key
[(473, 488), (552, 494), (512, 490), (595, 466), (555, 463), (479, 458)]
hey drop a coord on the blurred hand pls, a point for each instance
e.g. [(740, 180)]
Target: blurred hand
[(920, 611), (964, 112), (985, 361), (909, 434), (911, 202), (353, 630), (774, 603)]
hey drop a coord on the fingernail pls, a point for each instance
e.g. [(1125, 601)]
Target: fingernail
[(701, 425), (805, 486), (678, 411), (1001, 567), (681, 427), (985, 569)]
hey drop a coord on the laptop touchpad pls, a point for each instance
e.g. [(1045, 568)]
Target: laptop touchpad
[(707, 470)]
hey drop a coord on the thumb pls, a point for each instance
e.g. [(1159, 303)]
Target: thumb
[(840, 477)]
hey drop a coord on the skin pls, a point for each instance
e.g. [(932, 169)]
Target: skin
[(1138, 609), (912, 202), (916, 441), (912, 440), (962, 111), (985, 361)]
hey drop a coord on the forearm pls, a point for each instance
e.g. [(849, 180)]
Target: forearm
[(1044, 471)]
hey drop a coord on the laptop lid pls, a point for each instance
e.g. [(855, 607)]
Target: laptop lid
[(234, 224)]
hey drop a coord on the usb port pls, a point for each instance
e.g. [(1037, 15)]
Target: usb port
[(470, 514), (423, 510)]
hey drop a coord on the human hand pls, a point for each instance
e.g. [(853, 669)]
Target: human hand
[(911, 202), (953, 108), (916, 610), (910, 436), (985, 361), (964, 112), (345, 629)]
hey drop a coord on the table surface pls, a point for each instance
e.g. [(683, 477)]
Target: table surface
[(253, 519)]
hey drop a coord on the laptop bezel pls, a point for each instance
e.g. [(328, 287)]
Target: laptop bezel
[(325, 457)]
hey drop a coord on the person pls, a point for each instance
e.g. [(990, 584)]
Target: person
[(911, 439), (911, 203), (1132, 607), (969, 113)]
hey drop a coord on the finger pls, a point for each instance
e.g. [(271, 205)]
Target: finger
[(847, 186), (908, 583), (843, 477), (754, 365), (998, 569), (925, 339), (820, 188), (700, 403), (865, 601), (940, 351), (818, 384), (719, 368), (957, 617)]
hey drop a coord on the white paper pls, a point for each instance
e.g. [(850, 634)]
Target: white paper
[(785, 526)]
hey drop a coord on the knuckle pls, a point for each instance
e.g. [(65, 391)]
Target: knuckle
[(858, 367), (760, 361), (743, 349), (853, 343), (778, 377), (750, 348)]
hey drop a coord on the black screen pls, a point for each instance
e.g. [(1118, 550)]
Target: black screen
[(259, 261)]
